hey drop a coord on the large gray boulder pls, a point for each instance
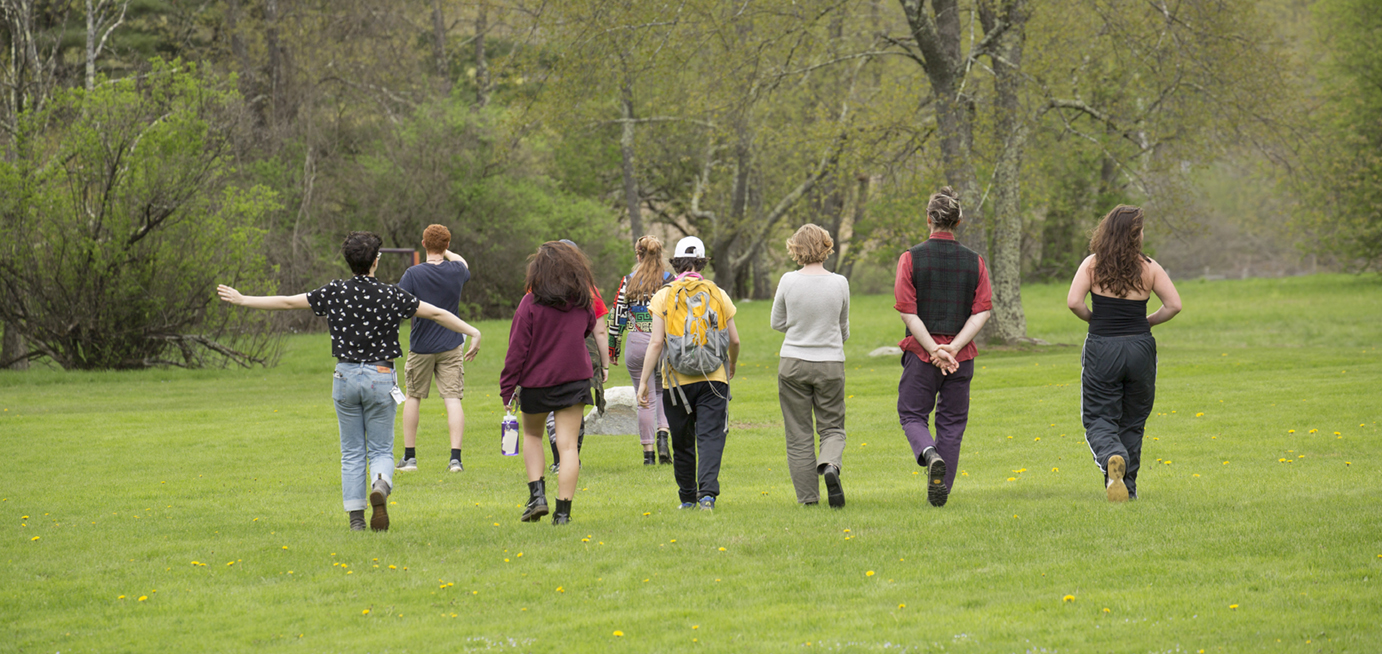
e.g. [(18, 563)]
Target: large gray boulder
[(620, 416)]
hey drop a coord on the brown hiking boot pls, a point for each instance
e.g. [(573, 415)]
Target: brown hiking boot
[(379, 500)]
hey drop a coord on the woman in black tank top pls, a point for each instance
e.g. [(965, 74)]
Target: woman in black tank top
[(1118, 376)]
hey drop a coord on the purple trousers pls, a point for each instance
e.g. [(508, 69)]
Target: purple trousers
[(923, 388)]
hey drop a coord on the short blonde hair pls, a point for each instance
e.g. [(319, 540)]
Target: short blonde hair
[(811, 244)]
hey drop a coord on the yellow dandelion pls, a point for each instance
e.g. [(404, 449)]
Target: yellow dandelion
[(123, 597), (1055, 469), (1166, 462), (1195, 475), (143, 597), (846, 531), (1226, 463), (1337, 434), (1037, 438), (560, 589), (1107, 611), (496, 524), (1313, 430), (1290, 431), (585, 540), (672, 541), (365, 612), (34, 538), (1068, 598), (647, 513), (286, 547), (1199, 415), (229, 563), (393, 567), (1232, 606), (868, 574), (696, 626), (520, 554), (901, 606), (618, 633), (1012, 478)]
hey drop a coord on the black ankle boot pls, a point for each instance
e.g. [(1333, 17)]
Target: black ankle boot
[(537, 501), (649, 459), (664, 455), (563, 514)]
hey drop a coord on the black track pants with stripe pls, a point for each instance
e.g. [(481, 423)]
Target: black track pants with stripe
[(1117, 389)]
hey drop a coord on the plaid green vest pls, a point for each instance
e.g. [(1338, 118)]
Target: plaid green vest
[(945, 275)]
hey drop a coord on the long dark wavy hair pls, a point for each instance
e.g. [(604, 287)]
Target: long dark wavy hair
[(559, 276), (1117, 248), (647, 278)]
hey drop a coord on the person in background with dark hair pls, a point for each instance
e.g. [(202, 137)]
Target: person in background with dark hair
[(434, 351), (944, 297), (631, 313), (548, 359), (599, 362), (1118, 365), (811, 306), (363, 315)]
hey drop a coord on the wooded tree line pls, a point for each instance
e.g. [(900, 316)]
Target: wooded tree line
[(273, 127)]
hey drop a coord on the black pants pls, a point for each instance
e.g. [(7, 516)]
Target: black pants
[(698, 437), (1117, 388)]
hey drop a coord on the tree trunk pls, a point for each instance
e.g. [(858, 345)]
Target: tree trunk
[(481, 65), (271, 42), (632, 204), (13, 347), (90, 46), (1008, 322), (938, 41), (439, 46)]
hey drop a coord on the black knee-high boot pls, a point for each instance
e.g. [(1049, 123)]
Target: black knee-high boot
[(537, 502), (563, 514)]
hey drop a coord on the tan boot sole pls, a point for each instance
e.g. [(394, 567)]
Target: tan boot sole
[(1117, 491)]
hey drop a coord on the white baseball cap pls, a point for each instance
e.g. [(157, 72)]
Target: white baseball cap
[(689, 247)]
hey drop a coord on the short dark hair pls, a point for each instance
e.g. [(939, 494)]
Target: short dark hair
[(360, 250), (559, 276), (688, 264)]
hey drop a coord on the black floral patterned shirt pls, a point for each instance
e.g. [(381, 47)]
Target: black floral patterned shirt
[(363, 314)]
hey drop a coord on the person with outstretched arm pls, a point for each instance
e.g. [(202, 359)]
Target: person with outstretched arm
[(363, 314)]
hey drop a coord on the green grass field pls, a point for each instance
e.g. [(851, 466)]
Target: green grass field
[(173, 510)]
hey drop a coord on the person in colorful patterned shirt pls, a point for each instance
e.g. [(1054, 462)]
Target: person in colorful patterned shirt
[(631, 314), (943, 295)]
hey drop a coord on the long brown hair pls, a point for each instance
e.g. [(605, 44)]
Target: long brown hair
[(559, 276), (647, 277), (1117, 248)]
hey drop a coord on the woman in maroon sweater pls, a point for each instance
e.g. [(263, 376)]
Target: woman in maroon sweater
[(548, 359)]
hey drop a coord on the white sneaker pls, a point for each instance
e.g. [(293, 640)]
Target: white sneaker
[(407, 465), (455, 466)]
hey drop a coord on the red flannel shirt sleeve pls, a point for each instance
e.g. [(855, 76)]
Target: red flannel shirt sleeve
[(983, 293), (904, 294)]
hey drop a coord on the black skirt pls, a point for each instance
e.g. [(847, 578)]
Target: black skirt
[(547, 399)]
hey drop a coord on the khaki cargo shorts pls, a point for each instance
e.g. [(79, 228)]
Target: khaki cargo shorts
[(448, 367)]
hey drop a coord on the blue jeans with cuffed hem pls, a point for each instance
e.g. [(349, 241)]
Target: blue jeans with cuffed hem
[(365, 411)]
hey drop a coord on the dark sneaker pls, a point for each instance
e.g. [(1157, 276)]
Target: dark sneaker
[(379, 500), (1117, 490), (834, 491), (936, 491), (455, 466), (407, 465), (687, 505), (708, 503), (357, 520)]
